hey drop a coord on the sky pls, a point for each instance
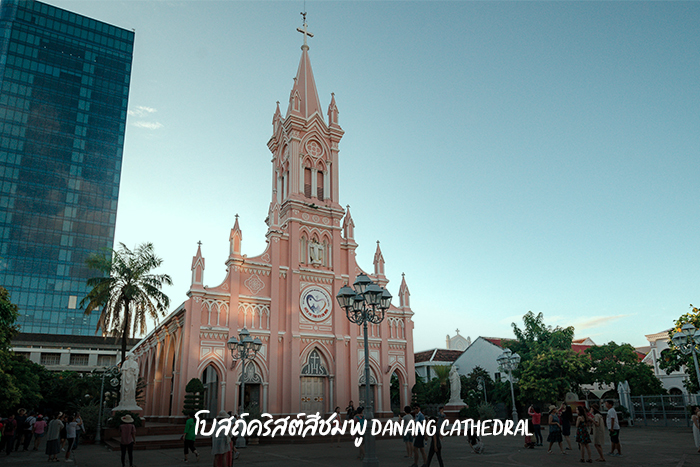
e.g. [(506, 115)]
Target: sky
[(510, 156)]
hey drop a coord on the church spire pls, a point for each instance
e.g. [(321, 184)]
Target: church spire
[(404, 294), (333, 113), (378, 262), (348, 226), (303, 100), (235, 240), (198, 269)]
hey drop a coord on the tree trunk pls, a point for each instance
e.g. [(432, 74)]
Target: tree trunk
[(125, 332)]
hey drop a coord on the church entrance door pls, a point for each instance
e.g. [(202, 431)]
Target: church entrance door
[(210, 379), (312, 400)]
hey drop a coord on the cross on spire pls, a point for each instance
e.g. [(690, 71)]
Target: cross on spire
[(304, 31), (199, 243)]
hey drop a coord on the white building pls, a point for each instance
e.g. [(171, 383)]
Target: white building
[(482, 353), (658, 342), (457, 342), (65, 352)]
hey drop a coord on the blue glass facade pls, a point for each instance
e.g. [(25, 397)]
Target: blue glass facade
[(64, 87)]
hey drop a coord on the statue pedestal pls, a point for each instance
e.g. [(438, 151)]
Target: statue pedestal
[(130, 406), (452, 409)]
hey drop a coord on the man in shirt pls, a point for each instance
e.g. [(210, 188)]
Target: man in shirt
[(613, 423), (419, 438)]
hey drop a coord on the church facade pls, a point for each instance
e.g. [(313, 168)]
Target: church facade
[(312, 357)]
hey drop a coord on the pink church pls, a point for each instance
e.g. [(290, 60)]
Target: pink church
[(312, 358)]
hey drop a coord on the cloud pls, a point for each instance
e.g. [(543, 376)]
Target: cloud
[(141, 111), (597, 321), (148, 125)]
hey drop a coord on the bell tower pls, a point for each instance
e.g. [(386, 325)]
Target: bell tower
[(304, 146)]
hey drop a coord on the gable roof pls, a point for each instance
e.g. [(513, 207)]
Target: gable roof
[(437, 355)]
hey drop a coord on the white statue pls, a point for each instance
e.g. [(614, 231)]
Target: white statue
[(130, 376), (455, 387), (316, 253)]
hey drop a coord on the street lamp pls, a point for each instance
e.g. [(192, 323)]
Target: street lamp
[(509, 361), (243, 349), (112, 371), (366, 304), (688, 341), (482, 384)]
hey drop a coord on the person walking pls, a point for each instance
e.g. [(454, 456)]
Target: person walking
[(554, 430), (336, 424), (598, 432), (79, 429), (127, 431), (435, 446), (39, 430), (221, 445), (583, 437), (71, 428), (566, 418), (53, 437), (536, 416), (696, 427), (407, 437), (613, 424), (8, 434), (21, 419), (419, 439), (350, 411), (189, 436), (360, 418), (28, 430)]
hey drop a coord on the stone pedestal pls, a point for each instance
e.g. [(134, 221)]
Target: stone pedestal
[(452, 410)]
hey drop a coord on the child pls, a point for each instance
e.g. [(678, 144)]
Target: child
[(529, 443)]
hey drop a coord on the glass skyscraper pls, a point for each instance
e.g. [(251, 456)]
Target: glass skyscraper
[(64, 87)]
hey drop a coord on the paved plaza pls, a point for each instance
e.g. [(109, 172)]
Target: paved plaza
[(653, 447)]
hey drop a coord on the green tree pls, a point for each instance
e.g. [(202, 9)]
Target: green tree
[(612, 363), (536, 337), (127, 292), (548, 367), (548, 376), (194, 396), (673, 359), (10, 393)]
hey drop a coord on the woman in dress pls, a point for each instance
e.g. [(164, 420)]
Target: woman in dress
[(583, 438), (554, 430), (53, 441), (598, 432), (566, 417), (696, 427), (221, 444)]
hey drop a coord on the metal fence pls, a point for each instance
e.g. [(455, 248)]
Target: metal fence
[(661, 410)]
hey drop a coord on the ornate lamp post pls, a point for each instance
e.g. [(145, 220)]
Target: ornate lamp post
[(688, 341), (112, 371), (366, 304), (509, 361), (243, 349), (482, 384)]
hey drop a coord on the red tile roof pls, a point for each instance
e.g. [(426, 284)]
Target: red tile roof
[(437, 355)]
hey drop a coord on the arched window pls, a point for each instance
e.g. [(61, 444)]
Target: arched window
[(307, 182), (319, 185)]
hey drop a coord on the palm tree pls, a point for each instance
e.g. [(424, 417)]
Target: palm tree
[(126, 292)]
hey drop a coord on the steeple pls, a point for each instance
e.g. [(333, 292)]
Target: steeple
[(303, 100), (197, 269), (348, 226), (404, 294), (378, 262), (333, 113), (235, 240), (276, 119)]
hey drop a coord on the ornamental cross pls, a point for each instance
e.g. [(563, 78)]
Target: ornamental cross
[(305, 31)]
